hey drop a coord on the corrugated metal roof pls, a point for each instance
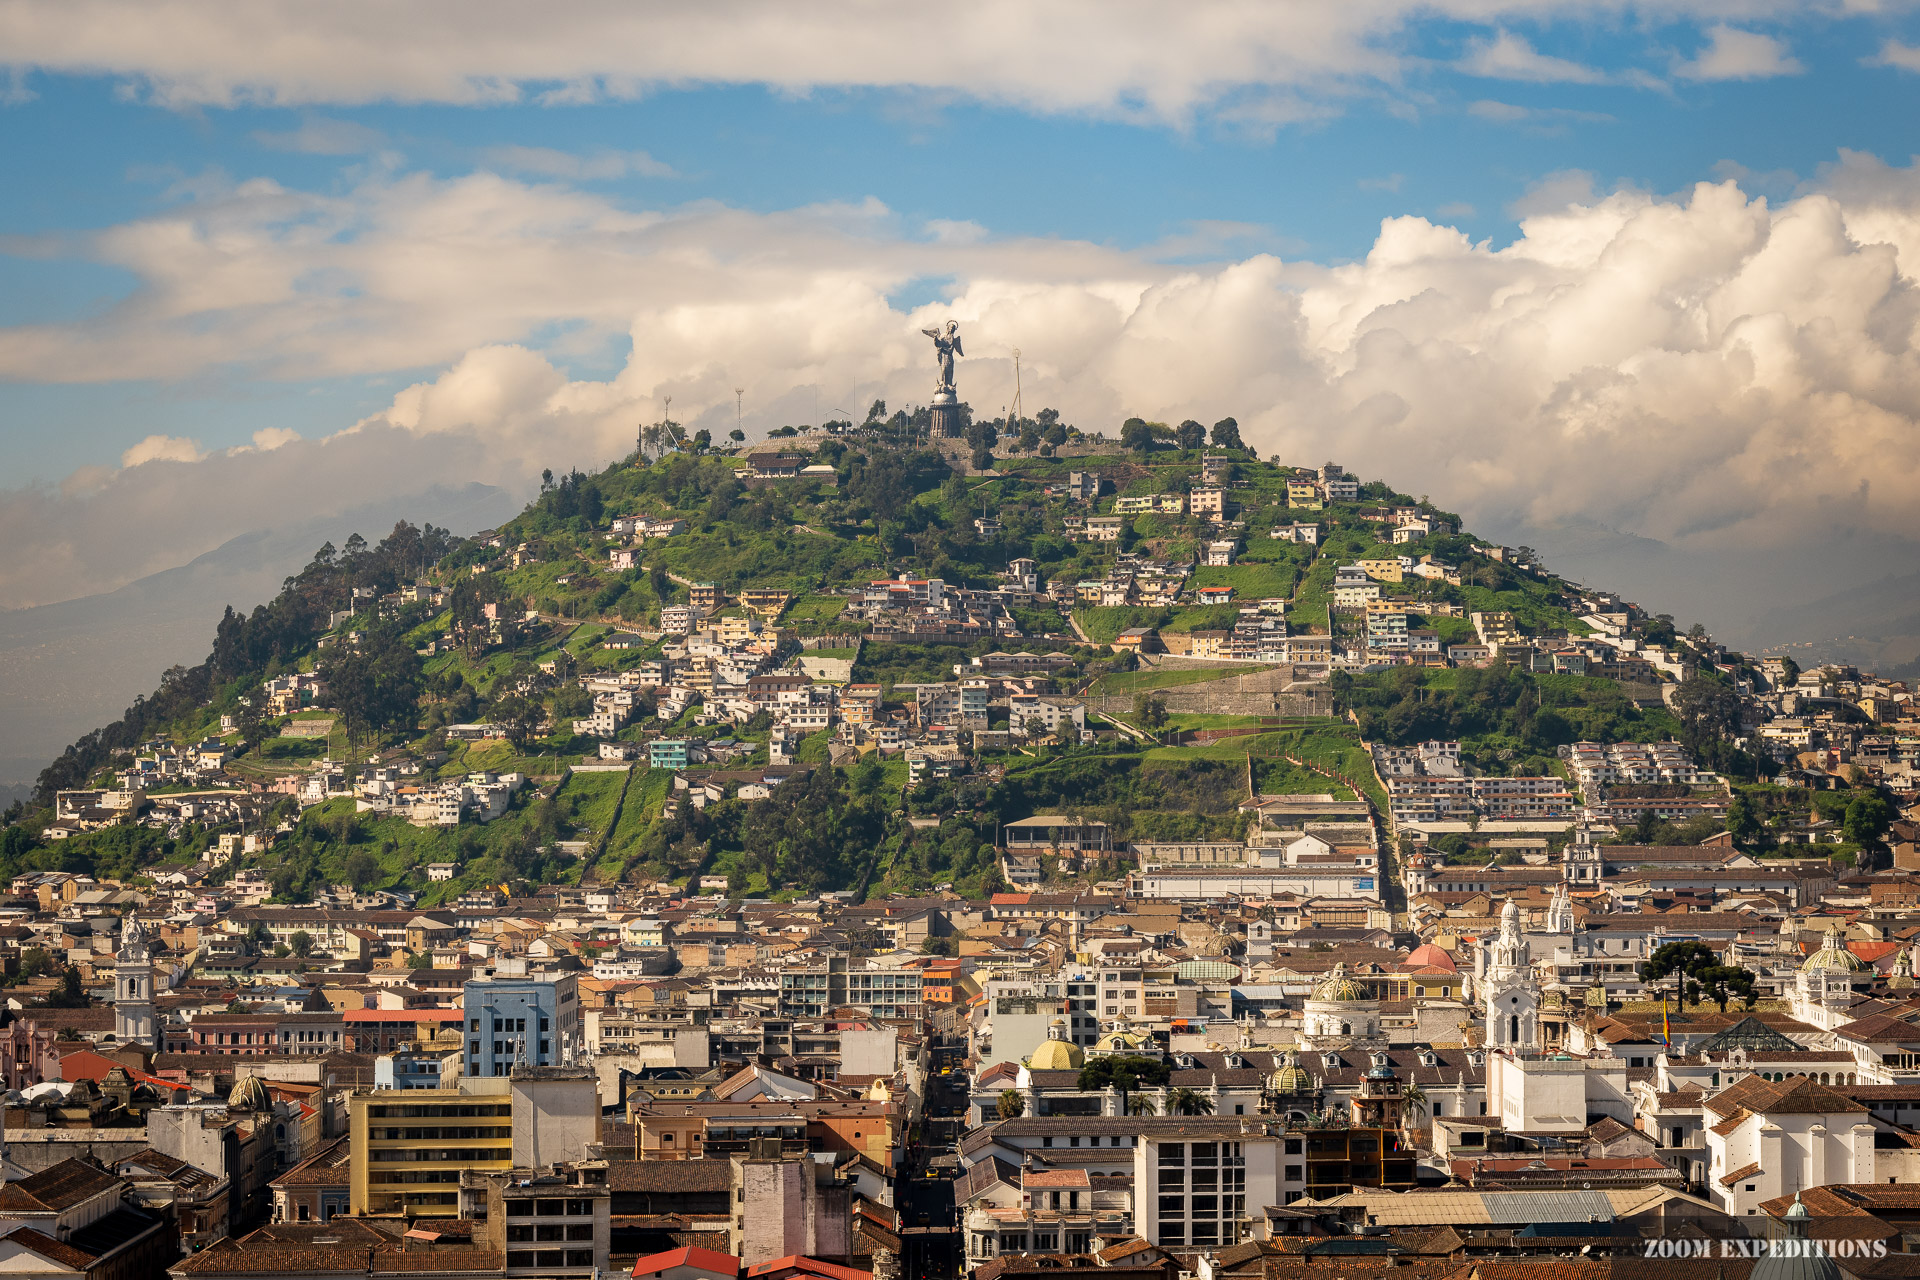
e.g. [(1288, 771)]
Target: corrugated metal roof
[(1497, 1208), (1548, 1206)]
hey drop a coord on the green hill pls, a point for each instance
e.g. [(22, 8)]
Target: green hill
[(423, 631)]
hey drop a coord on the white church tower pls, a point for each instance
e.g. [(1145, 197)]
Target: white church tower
[(133, 987), (1510, 988), (1560, 912), (1581, 861)]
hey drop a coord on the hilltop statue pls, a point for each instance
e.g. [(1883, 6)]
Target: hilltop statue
[(946, 345)]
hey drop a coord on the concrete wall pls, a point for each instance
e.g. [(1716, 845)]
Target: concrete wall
[(554, 1119), (869, 1053), (38, 1149), (786, 1210)]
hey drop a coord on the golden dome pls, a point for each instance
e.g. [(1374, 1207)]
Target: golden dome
[(251, 1094), (1338, 986), (1057, 1053), (1833, 956), (1123, 1038), (1292, 1078)]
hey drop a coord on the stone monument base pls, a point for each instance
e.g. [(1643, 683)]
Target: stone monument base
[(945, 407)]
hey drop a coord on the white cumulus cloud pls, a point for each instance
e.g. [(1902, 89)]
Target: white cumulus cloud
[(1734, 379), (1734, 54), (162, 449)]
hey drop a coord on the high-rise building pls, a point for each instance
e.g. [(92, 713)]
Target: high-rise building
[(410, 1147)]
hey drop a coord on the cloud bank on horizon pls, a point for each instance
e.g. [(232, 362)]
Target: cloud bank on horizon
[(1728, 368)]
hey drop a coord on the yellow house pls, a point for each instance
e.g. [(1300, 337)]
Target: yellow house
[(768, 600), (1304, 494), (739, 628), (1383, 570), (1210, 644)]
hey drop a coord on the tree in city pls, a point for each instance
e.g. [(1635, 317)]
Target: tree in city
[(1189, 1102), (1142, 1104), (1684, 961), (71, 994), (1124, 1071), (301, 943), (1010, 1104), (1722, 983)]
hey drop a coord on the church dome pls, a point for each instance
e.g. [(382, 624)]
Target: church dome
[(1292, 1078), (1057, 1054), (1338, 986), (249, 1094), (1428, 956), (1833, 956), (1123, 1038)]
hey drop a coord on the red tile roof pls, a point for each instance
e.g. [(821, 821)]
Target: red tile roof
[(723, 1264)]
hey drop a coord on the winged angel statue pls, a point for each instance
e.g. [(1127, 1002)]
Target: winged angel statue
[(946, 345)]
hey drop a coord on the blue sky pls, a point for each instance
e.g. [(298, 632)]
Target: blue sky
[(228, 234), (85, 152)]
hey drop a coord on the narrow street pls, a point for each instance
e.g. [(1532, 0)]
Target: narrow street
[(929, 1233)]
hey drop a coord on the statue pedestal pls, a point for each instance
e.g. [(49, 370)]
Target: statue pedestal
[(945, 407)]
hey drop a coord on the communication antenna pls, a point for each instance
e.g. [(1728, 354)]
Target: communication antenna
[(666, 421), (739, 409), (1013, 418)]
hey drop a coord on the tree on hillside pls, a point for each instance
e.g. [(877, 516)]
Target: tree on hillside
[(1867, 820), (1744, 824), (361, 869), (1708, 709), (1152, 710), (1190, 434), (1226, 434), (375, 685), (1136, 436)]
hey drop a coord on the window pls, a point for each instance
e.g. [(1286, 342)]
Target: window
[(1173, 1153)]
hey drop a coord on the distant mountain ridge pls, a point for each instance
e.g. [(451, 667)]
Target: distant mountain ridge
[(68, 667)]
